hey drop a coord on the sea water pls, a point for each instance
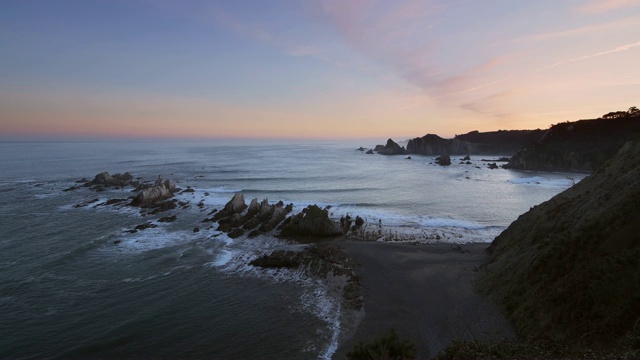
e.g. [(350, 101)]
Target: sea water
[(75, 283)]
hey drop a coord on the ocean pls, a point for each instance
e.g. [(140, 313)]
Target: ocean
[(75, 284)]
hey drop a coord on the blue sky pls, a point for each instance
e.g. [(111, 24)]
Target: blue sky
[(311, 69)]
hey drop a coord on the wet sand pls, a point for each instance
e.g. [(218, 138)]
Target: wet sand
[(425, 293)]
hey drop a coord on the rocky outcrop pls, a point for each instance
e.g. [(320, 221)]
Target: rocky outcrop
[(501, 142), (104, 180), (321, 261), (429, 144), (568, 269), (161, 190), (312, 223), (576, 146), (259, 218), (391, 148), (444, 159)]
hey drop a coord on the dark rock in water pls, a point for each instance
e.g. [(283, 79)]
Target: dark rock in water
[(466, 158), (165, 219), (313, 222), (568, 270), (444, 160), (75, 187), (391, 148), (104, 179), (86, 203), (196, 230), (163, 206), (111, 202), (147, 225), (235, 206), (492, 166), (369, 152), (254, 233), (408, 158), (189, 189), (468, 163), (161, 190), (235, 233), (360, 149), (359, 221), (320, 261), (117, 241)]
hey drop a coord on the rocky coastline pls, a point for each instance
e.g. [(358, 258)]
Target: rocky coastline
[(578, 146)]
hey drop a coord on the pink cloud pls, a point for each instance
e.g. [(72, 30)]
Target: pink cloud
[(602, 6)]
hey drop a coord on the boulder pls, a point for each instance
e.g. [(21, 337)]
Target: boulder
[(444, 159), (492, 166), (369, 152)]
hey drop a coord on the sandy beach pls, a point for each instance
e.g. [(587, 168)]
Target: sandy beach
[(425, 293)]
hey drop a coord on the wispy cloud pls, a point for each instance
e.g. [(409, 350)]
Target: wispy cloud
[(601, 53), (619, 24), (602, 6)]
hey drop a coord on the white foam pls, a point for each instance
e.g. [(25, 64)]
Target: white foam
[(547, 182)]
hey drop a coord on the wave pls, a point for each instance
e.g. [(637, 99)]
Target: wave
[(537, 180)]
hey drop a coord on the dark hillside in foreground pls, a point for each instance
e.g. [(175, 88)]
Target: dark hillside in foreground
[(569, 269)]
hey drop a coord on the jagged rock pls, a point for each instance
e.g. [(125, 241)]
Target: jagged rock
[(254, 234), (492, 166), (466, 158), (391, 148), (312, 222), (163, 206), (235, 206), (86, 203), (360, 149), (161, 190), (369, 152), (359, 221)]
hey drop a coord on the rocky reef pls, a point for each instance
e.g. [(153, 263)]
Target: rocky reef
[(568, 270)]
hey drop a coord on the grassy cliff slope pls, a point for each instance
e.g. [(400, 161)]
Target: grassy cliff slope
[(569, 269)]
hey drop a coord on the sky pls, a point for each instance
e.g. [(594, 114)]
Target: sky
[(311, 69)]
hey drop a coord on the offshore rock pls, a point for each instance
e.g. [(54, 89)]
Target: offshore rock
[(391, 148), (105, 180), (161, 190), (444, 159), (235, 206)]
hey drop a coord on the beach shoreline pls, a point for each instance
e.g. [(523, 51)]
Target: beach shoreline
[(425, 292)]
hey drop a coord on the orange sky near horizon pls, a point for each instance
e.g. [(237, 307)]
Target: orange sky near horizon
[(353, 69)]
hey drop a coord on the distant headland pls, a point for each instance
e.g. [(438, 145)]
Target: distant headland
[(577, 146)]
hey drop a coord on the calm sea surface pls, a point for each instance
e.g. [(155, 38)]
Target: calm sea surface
[(67, 289)]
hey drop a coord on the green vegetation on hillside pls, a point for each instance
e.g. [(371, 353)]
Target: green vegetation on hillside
[(568, 271)]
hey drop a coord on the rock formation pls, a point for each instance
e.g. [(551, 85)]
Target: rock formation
[(568, 270), (312, 223), (104, 180), (161, 190), (391, 148)]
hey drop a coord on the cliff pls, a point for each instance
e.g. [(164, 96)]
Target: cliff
[(576, 146), (502, 142), (569, 269)]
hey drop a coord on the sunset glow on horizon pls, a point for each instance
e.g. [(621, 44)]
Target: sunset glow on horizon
[(325, 69)]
